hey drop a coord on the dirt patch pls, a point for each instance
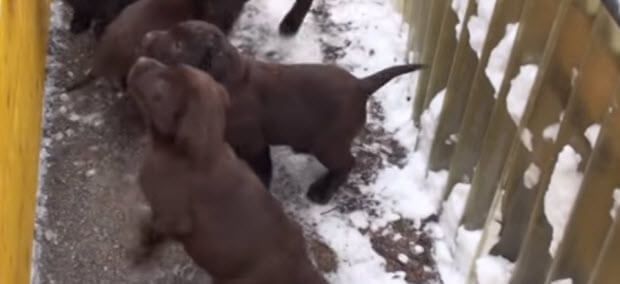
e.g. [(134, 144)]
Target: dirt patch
[(406, 249)]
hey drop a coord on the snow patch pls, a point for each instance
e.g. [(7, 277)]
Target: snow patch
[(531, 176), (519, 93), (563, 281), (456, 246), (398, 188), (41, 214), (359, 219), (430, 121), (592, 133), (358, 262), (460, 8), (453, 209), (562, 193), (551, 132), (616, 206), (493, 270), (478, 25), (499, 57), (454, 257), (526, 138)]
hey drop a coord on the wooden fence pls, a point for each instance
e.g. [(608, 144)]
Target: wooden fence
[(574, 45)]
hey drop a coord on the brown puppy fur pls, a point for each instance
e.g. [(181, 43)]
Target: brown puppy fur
[(317, 109), (201, 194), (95, 12), (118, 47)]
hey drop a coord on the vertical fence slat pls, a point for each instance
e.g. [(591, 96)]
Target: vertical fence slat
[(417, 15), (457, 91), (444, 55), (478, 104), (431, 39), (607, 271), (547, 106), (535, 27)]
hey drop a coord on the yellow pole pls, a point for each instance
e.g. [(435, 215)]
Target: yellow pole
[(23, 42)]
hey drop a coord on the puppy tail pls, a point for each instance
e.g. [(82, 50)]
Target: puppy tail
[(373, 82)]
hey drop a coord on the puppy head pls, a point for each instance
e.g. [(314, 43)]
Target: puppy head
[(157, 94), (195, 43), (181, 105)]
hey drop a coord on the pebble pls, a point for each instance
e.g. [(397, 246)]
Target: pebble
[(58, 136), (397, 237), (64, 97), (74, 117), (91, 172), (50, 236), (418, 249), (403, 258), (69, 132)]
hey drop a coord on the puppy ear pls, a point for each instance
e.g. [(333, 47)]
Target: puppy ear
[(192, 132), (164, 106), (219, 58), (223, 93), (220, 63)]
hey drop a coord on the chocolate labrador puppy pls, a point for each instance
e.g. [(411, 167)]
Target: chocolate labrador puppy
[(317, 109), (200, 193), (118, 48)]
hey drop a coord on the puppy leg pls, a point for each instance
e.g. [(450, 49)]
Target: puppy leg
[(260, 162), (291, 23), (150, 241), (339, 163)]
